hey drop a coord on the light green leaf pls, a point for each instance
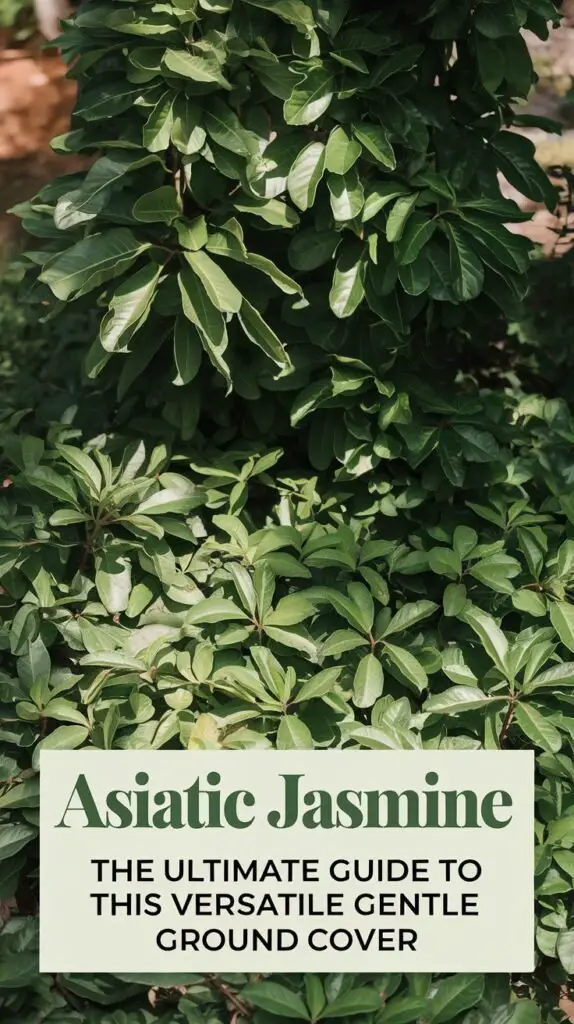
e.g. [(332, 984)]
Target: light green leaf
[(342, 151), (196, 68), (490, 634), (375, 139), (348, 287), (186, 131), (129, 307), (290, 611), (113, 581), (214, 609), (409, 615), (293, 734), (310, 98), (318, 685), (565, 950), (342, 640), (259, 332), (47, 480), (65, 737), (91, 261), (399, 215), (220, 289), (163, 205), (458, 698), (157, 129), (556, 676), (562, 618), (305, 175), (368, 682), (538, 728), (408, 666), (199, 309), (347, 196)]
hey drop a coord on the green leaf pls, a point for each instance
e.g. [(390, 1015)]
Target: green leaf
[(186, 130), (113, 581), (368, 682), (200, 310), (318, 685), (409, 615), (21, 795), (192, 234), (158, 127), (290, 611), (516, 158), (225, 128), (562, 618), (458, 698), (305, 175), (358, 1000), (293, 734), (556, 676), (565, 950), (14, 836), (163, 205), (399, 215), (129, 307), (453, 995), (214, 609), (408, 666), (538, 728), (490, 61), (275, 999), (65, 517), (454, 599), (418, 231), (381, 195), (294, 12), (404, 1009), (342, 151), (187, 351), (91, 262), (490, 634), (347, 196), (65, 737), (466, 268), (272, 211), (310, 98), (348, 286), (221, 291), (292, 638), (196, 68), (445, 562), (375, 140), (259, 332), (314, 995)]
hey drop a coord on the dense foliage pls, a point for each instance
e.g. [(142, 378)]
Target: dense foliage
[(298, 499)]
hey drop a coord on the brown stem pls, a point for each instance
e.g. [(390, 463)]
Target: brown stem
[(507, 722), (71, 1001), (232, 998)]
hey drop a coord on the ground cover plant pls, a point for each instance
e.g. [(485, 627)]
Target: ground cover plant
[(298, 498)]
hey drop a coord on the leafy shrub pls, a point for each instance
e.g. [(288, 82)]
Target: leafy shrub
[(289, 512)]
